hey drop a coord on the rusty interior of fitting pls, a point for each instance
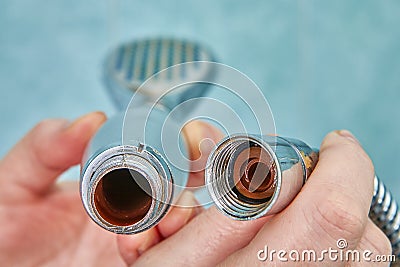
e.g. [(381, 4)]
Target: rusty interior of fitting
[(254, 173), (120, 200)]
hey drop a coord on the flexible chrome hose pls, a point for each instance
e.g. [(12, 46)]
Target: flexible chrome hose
[(385, 214), (290, 162)]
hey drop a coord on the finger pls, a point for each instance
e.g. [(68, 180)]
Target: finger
[(183, 211), (372, 243), (333, 204), (375, 241), (206, 240), (44, 153), (337, 197), (132, 246), (201, 138)]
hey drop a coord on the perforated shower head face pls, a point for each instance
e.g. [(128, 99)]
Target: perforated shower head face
[(130, 64)]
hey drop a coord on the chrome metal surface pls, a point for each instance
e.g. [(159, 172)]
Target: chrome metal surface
[(290, 163), (385, 214), (155, 179), (293, 161)]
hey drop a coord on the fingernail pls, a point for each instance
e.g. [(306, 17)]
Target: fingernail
[(130, 258), (202, 137), (347, 134), (144, 246), (213, 133), (149, 239), (187, 200), (95, 118)]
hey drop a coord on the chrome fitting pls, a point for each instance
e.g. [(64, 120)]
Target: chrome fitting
[(251, 176), (126, 189)]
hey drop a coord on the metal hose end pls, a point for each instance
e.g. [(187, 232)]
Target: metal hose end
[(251, 176), (126, 189), (290, 163)]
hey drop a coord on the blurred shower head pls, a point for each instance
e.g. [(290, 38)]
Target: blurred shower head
[(129, 65)]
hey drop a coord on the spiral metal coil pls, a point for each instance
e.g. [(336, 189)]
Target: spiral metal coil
[(385, 214)]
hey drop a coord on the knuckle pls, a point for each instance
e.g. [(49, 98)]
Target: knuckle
[(355, 152), (39, 141), (365, 161), (224, 227), (355, 162), (337, 220), (363, 167), (41, 126), (222, 224), (351, 152), (382, 244), (44, 124), (40, 130)]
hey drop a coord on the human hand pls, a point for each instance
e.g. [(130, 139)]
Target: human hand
[(44, 222), (332, 205)]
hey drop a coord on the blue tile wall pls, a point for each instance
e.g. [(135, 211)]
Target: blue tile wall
[(323, 65)]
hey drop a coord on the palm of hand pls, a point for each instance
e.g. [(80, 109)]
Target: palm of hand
[(54, 229)]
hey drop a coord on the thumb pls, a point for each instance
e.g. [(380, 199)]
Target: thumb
[(44, 153), (201, 138)]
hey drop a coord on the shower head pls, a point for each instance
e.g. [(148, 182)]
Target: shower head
[(128, 66)]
